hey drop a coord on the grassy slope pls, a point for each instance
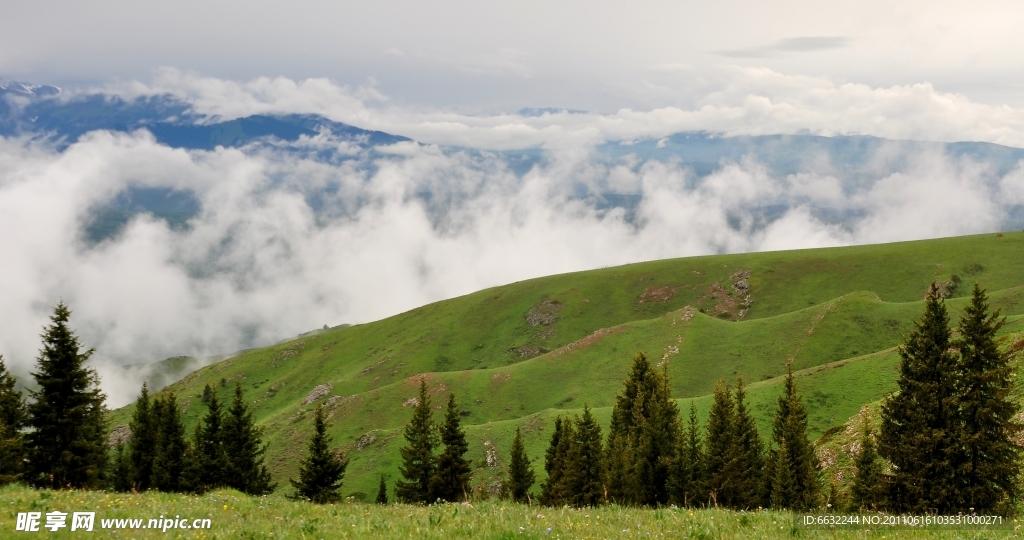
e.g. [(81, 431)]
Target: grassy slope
[(816, 307)]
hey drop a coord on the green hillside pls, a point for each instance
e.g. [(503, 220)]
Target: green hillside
[(520, 354)]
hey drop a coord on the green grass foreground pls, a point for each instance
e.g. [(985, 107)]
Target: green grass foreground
[(234, 515)]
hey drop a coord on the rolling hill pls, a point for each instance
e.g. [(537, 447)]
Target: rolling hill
[(523, 353)]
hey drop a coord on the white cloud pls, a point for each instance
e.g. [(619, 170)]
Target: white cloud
[(257, 263), (731, 101)]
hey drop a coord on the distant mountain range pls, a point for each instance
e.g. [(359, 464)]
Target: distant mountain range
[(45, 112), (41, 111)]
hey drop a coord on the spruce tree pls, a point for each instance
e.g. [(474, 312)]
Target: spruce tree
[(520, 472), (205, 461), (67, 442), (122, 481), (321, 471), (748, 456), (616, 460), (170, 451), (244, 450), (418, 457), (720, 471), (918, 422), (382, 492), (584, 486), (452, 475), (142, 447), (793, 475), (687, 479), (554, 462), (868, 490), (782, 479), (990, 468), (13, 418), (642, 438)]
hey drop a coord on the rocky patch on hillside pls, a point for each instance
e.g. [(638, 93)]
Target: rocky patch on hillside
[(544, 313), (658, 294), (730, 301)]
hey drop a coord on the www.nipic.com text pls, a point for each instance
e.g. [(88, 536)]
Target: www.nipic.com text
[(86, 521)]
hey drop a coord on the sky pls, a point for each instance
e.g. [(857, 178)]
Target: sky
[(500, 56), (259, 263)]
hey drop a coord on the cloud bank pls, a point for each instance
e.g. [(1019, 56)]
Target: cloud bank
[(728, 100), (261, 261)]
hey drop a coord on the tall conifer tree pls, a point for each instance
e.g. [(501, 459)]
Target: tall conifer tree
[(748, 456), (520, 472), (418, 456), (169, 454), (67, 444), (321, 471), (794, 478), (244, 450), (452, 475), (720, 470), (554, 462), (918, 422), (584, 485), (556, 490), (205, 461), (642, 438), (122, 471), (142, 447), (868, 490), (687, 479), (990, 465), (13, 418)]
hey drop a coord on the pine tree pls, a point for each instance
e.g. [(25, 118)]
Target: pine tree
[(868, 490), (67, 444), (142, 447), (520, 472), (418, 457), (122, 481), (244, 450), (720, 471), (554, 462), (13, 418), (382, 492), (990, 468), (688, 474), (205, 460), (321, 471), (616, 460), (750, 455), (584, 485), (793, 479), (782, 479), (191, 478), (642, 438), (207, 392), (918, 422), (452, 475), (169, 454)]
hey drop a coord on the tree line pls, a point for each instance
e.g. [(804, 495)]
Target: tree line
[(59, 440), (946, 442)]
